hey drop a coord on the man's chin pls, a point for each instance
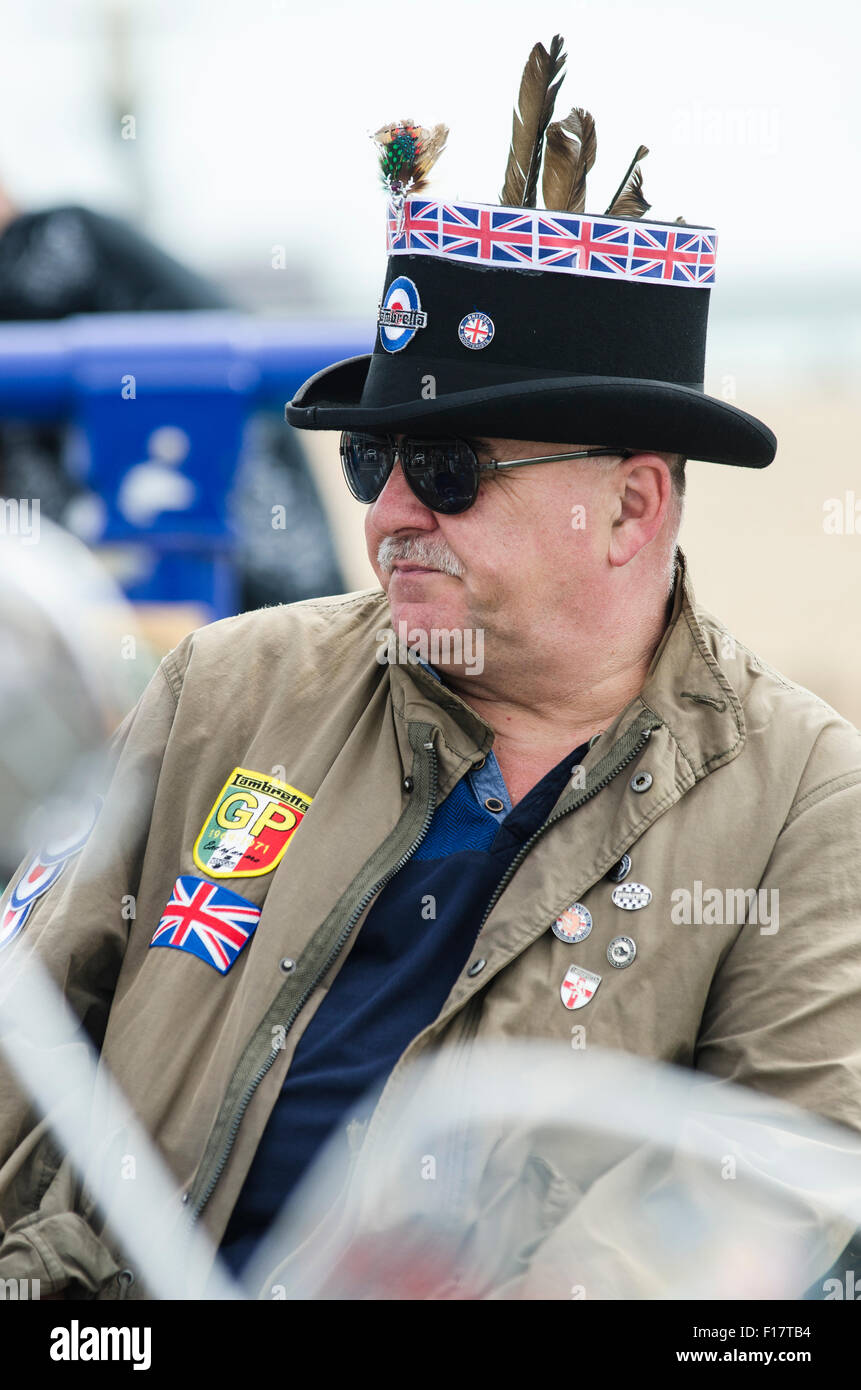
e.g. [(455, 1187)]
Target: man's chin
[(421, 616), (441, 635)]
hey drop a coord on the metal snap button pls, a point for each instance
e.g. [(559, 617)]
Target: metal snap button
[(476, 967), (641, 781), (493, 803), (126, 1277), (408, 784), (621, 951), (287, 965)]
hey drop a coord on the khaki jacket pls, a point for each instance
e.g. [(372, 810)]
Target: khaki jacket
[(720, 772)]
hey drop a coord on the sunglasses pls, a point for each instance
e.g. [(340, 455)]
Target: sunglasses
[(444, 474)]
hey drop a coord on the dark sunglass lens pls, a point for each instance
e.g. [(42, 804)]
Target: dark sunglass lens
[(367, 462), (443, 474)]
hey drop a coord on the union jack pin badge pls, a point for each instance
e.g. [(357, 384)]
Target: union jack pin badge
[(476, 330)]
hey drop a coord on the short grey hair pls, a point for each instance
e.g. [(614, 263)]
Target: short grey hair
[(676, 464)]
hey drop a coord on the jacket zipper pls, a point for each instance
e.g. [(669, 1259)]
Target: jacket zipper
[(603, 781), (341, 940), (637, 735)]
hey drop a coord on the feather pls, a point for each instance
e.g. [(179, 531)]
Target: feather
[(628, 200), (569, 155), (407, 153), (538, 87), (430, 148)]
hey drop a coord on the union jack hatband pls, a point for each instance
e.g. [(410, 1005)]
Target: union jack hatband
[(538, 240)]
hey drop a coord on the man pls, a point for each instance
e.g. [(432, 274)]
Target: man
[(462, 806)]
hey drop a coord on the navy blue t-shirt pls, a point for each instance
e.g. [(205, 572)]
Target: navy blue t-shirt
[(413, 944)]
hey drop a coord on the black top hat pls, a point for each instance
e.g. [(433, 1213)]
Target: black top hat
[(527, 323)]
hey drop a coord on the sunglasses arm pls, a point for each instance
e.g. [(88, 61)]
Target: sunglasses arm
[(495, 464)]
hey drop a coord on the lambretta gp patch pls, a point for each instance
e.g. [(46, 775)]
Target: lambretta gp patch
[(250, 826)]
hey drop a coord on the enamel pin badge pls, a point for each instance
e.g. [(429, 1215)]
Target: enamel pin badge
[(578, 987), (574, 924), (632, 896)]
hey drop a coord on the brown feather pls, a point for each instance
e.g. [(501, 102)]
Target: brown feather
[(628, 200), (569, 155), (429, 151), (538, 87)]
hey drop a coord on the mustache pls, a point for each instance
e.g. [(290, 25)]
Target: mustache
[(418, 550)]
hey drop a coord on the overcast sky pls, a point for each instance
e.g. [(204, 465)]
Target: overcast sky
[(252, 118)]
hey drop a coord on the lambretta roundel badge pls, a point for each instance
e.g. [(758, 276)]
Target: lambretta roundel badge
[(400, 314), (476, 330), (45, 867)]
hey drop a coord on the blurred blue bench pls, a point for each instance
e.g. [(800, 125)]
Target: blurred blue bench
[(160, 402)]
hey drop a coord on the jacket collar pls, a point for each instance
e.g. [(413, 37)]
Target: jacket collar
[(685, 687), (688, 689)]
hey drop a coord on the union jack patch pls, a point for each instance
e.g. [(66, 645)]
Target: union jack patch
[(208, 921)]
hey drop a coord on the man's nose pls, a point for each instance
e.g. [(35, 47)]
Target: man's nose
[(398, 509)]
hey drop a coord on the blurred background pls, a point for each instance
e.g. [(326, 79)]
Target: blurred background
[(201, 172)]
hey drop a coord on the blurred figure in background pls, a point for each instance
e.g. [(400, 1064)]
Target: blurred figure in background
[(64, 686), (70, 260)]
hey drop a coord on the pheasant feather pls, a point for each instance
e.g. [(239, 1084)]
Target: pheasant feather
[(407, 153), (538, 87), (569, 154), (628, 200)]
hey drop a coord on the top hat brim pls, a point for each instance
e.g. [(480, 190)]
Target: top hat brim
[(586, 410)]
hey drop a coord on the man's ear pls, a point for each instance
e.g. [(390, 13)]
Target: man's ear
[(645, 498)]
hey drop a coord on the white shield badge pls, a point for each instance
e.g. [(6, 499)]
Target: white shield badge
[(578, 987)]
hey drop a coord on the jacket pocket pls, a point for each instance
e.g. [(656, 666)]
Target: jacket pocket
[(61, 1251)]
